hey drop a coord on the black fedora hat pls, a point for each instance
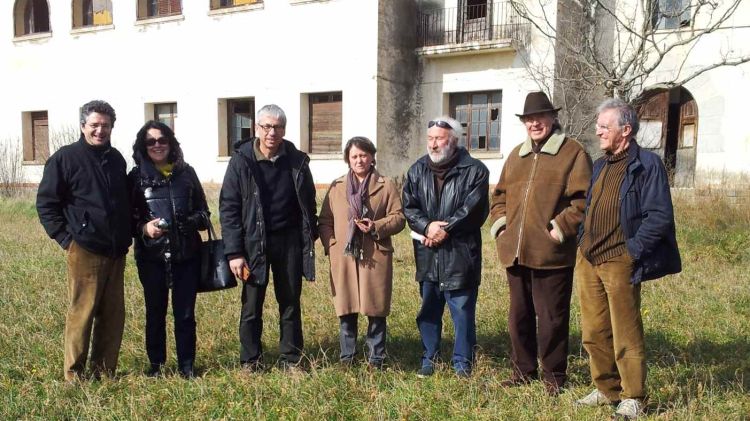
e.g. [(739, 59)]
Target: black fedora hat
[(537, 102)]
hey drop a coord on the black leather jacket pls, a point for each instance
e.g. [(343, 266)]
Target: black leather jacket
[(176, 199), (464, 204), (243, 227)]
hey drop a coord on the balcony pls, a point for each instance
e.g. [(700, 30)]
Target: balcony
[(485, 27)]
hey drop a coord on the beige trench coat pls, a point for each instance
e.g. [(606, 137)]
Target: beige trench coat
[(365, 289)]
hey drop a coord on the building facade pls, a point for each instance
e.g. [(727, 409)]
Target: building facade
[(339, 68)]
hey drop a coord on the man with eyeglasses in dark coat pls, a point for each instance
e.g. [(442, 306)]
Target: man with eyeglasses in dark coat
[(268, 220)]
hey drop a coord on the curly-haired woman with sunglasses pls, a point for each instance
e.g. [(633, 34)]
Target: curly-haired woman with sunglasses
[(169, 207)]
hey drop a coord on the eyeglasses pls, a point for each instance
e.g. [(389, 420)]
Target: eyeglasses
[(440, 123), (267, 127), (162, 141), (605, 129)]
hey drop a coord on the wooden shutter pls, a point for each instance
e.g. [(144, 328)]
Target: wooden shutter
[(325, 123)]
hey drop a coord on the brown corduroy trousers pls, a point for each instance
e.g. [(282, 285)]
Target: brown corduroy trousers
[(611, 326), (538, 320), (96, 312)]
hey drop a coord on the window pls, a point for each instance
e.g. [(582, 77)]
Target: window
[(479, 114), (31, 17), (148, 9), (235, 122), (91, 13), (166, 113), (670, 14), (476, 9), (35, 133), (220, 4), (324, 120)]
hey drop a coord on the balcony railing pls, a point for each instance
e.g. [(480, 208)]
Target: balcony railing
[(484, 22)]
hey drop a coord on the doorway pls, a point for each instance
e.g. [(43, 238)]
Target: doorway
[(669, 127)]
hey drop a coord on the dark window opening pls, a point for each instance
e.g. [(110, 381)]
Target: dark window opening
[(476, 9)]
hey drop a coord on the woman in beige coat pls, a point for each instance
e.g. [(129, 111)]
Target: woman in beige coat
[(360, 213)]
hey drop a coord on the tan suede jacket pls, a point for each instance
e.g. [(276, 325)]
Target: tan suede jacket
[(537, 192)]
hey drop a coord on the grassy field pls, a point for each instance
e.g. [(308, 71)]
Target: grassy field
[(697, 332)]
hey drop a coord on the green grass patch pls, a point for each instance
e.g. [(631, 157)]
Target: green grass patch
[(697, 328)]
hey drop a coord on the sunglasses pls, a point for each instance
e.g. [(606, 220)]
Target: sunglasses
[(440, 123), (162, 141)]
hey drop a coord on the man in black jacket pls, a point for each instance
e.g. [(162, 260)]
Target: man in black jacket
[(445, 203), (83, 204), (268, 220)]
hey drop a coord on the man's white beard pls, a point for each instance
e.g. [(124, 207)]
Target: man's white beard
[(442, 155)]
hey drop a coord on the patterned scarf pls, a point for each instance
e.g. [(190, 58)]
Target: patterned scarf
[(356, 194)]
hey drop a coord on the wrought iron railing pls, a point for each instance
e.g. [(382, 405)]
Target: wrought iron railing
[(483, 22)]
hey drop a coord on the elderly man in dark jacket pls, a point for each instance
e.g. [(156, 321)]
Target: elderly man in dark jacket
[(268, 220), (628, 236), (536, 209), (445, 203), (83, 204)]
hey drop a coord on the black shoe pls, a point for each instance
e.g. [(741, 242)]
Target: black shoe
[(516, 381), (252, 367), (426, 371), (553, 389), (375, 365), (154, 371), (187, 373), (463, 373), (290, 367), (346, 363)]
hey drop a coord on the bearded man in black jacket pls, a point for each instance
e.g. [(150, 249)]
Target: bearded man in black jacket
[(445, 204), (83, 204)]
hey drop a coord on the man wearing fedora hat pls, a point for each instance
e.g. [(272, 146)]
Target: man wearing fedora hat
[(537, 206)]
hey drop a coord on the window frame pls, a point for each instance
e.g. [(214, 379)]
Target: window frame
[(332, 97), (216, 4), (173, 113), (468, 124), (33, 151), (81, 9), (24, 22), (674, 19), (144, 10), (226, 120)]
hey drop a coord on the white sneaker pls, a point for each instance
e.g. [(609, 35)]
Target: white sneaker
[(595, 398), (629, 409)]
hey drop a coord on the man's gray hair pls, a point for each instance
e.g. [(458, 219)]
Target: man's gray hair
[(271, 110), (100, 107), (628, 115), (456, 129)]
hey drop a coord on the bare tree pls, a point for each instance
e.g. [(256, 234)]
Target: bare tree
[(11, 169), (616, 48)]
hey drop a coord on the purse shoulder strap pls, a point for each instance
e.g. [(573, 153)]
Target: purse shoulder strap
[(211, 232)]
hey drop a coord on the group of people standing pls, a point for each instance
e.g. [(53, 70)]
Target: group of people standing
[(550, 215)]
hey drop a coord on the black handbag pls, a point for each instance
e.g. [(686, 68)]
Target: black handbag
[(215, 272)]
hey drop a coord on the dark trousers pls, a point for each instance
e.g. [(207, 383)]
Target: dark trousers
[(538, 321), (156, 293), (284, 258), (376, 333), (462, 304)]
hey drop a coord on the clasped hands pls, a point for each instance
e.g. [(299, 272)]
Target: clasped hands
[(435, 234)]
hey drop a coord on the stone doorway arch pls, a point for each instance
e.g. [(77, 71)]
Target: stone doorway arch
[(669, 127)]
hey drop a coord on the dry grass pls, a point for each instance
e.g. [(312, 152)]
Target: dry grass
[(697, 330)]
